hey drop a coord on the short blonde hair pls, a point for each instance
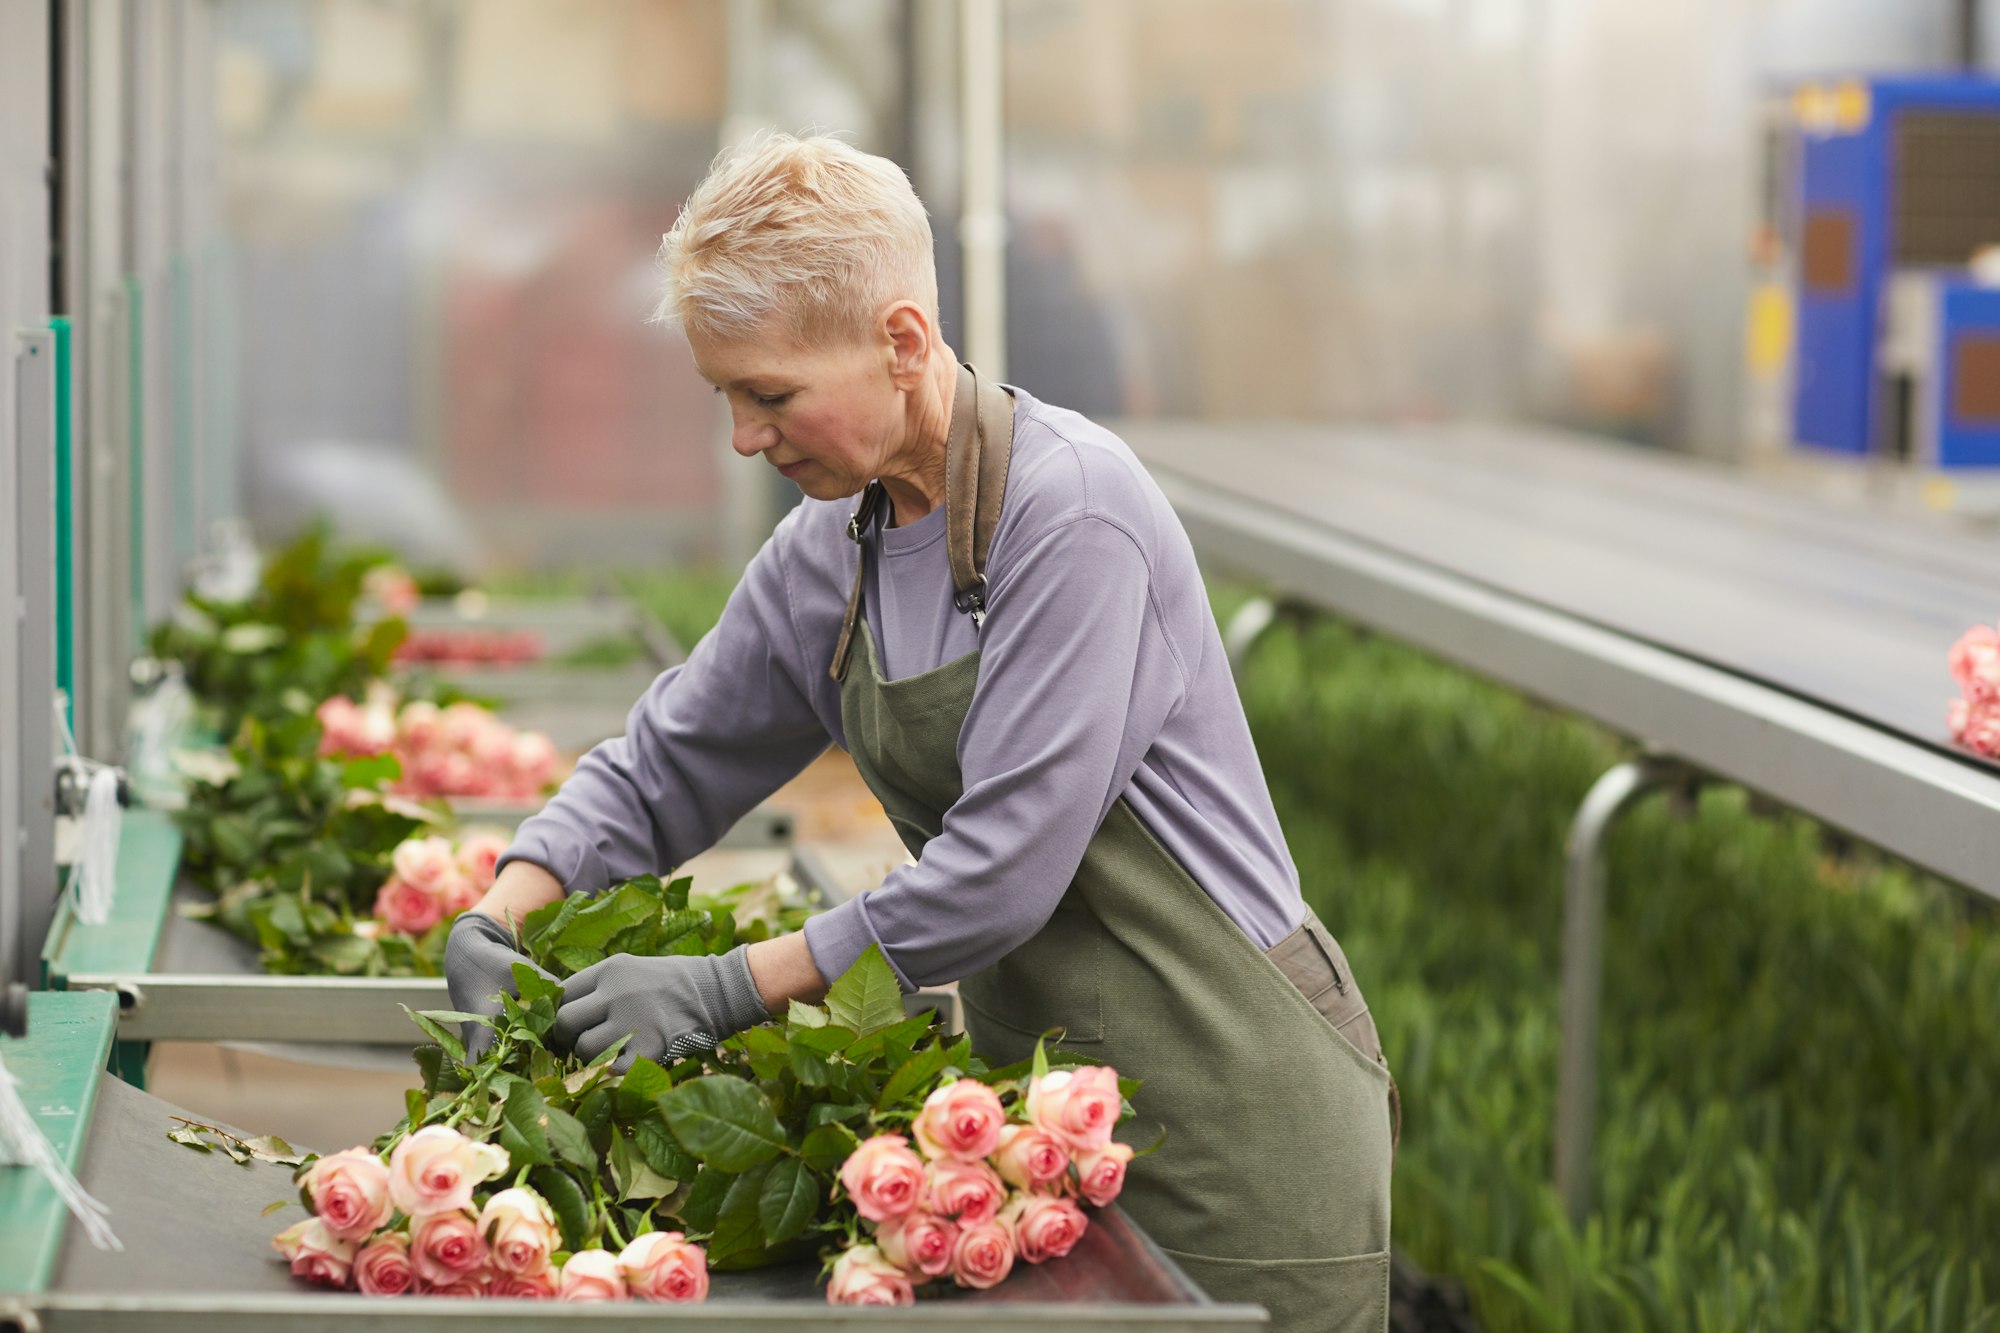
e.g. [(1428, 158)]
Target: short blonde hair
[(809, 237)]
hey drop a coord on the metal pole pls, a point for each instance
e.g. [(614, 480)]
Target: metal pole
[(1583, 966), (982, 224)]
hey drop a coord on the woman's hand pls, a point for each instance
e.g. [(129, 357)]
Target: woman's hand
[(670, 1007), (479, 958)]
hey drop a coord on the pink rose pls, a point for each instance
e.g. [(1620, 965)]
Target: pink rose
[(883, 1177), (457, 893), (1080, 1106), (492, 750), (1044, 1226), (916, 1242), (350, 1192), (444, 1247), (985, 1256), (1030, 1158), (424, 862), (520, 1229), (533, 760), (435, 1169), (665, 1266), (1975, 663), (1101, 1174), (339, 721), (967, 1192), (420, 725), (478, 854), (475, 1283), (382, 1268), (315, 1253), (462, 724), (864, 1276), (405, 909), (1981, 732), (393, 588), (540, 1287), (961, 1119), (375, 730), (592, 1275)]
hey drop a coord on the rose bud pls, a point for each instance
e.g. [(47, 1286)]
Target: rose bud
[(969, 1193), (961, 1119), (1030, 1158), (520, 1230), (350, 1192), (592, 1275), (539, 1287), (1044, 1226), (1101, 1174), (445, 1247), (665, 1266), (985, 1256), (883, 1177), (382, 1267), (864, 1276), (1080, 1106), (424, 862), (315, 1253), (405, 909), (917, 1243), (435, 1169)]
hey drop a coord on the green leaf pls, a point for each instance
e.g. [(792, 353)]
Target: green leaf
[(892, 1044), (703, 1205), (270, 1208), (744, 1191), (1041, 1064), (828, 1113), (806, 1016), (914, 1076), (642, 1085), (633, 1175), (370, 772), (271, 1148), (343, 954), (438, 1033), (416, 1101), (566, 1197), (530, 985), (190, 1137), (725, 1122), (810, 1048), (251, 637), (828, 1146), (866, 997), (737, 1235), (568, 1138), (523, 1127), (594, 925), (788, 1198), (662, 1151)]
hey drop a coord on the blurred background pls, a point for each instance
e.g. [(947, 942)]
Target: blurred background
[(439, 218)]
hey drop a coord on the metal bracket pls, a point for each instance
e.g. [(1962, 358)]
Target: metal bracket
[(1583, 958)]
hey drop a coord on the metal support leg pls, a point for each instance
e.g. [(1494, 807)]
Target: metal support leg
[(1583, 965), (1251, 619)]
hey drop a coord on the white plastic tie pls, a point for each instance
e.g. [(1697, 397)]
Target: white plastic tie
[(22, 1144), (93, 877)]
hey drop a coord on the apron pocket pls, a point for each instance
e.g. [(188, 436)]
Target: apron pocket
[(1055, 980), (1349, 1295)]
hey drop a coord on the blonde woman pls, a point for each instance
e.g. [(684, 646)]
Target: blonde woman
[(985, 600)]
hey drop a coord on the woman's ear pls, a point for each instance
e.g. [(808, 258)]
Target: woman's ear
[(909, 343)]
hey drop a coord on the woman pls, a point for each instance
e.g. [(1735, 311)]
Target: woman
[(1008, 632)]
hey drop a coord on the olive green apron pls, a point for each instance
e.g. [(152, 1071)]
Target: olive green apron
[(1272, 1186)]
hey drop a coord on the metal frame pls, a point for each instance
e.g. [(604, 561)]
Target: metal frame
[(1905, 797), (34, 742)]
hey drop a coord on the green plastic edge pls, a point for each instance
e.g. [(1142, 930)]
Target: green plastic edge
[(58, 1066), (65, 522), (149, 860)]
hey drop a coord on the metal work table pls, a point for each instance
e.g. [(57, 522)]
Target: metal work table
[(1737, 630)]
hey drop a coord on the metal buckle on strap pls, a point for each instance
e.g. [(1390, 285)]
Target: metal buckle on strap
[(972, 601)]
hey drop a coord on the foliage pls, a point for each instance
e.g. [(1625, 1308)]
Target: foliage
[(1797, 1072)]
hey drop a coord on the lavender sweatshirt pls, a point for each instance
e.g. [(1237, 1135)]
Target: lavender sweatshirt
[(1101, 675)]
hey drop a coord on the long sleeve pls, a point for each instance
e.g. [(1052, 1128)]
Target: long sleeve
[(1067, 705), (705, 743)]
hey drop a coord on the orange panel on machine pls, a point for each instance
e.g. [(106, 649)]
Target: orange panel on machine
[(1975, 374), (1828, 254)]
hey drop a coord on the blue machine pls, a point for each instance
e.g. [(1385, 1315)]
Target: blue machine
[(1897, 188)]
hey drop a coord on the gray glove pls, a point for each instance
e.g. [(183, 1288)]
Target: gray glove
[(672, 1007), (479, 958)]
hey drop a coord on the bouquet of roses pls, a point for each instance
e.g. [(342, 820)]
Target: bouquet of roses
[(461, 749), (433, 879), (1974, 716), (849, 1129)]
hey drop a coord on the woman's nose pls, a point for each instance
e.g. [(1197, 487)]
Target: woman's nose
[(750, 438)]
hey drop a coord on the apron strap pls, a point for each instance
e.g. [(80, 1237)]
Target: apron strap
[(977, 451)]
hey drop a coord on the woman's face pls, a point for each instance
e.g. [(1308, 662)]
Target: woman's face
[(828, 419)]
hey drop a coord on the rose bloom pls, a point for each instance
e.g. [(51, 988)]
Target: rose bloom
[(350, 1192), (375, 732), (592, 1275), (315, 1253), (463, 723), (424, 862), (985, 1256), (1044, 1226), (1981, 730), (457, 893), (916, 1242), (435, 1169), (967, 1192), (533, 760), (493, 748), (1079, 1106), (540, 1287), (520, 1229), (445, 1247), (961, 1119), (1975, 663), (405, 909), (665, 1266), (340, 723), (1101, 1174), (1030, 1158), (478, 854), (883, 1177), (864, 1276), (420, 725), (475, 1283), (382, 1268)]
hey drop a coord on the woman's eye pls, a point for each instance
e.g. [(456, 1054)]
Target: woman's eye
[(773, 400)]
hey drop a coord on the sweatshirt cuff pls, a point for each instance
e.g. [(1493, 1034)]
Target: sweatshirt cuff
[(842, 934), (562, 852)]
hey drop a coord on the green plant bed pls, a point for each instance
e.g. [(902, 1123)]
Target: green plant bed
[(1800, 1066)]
